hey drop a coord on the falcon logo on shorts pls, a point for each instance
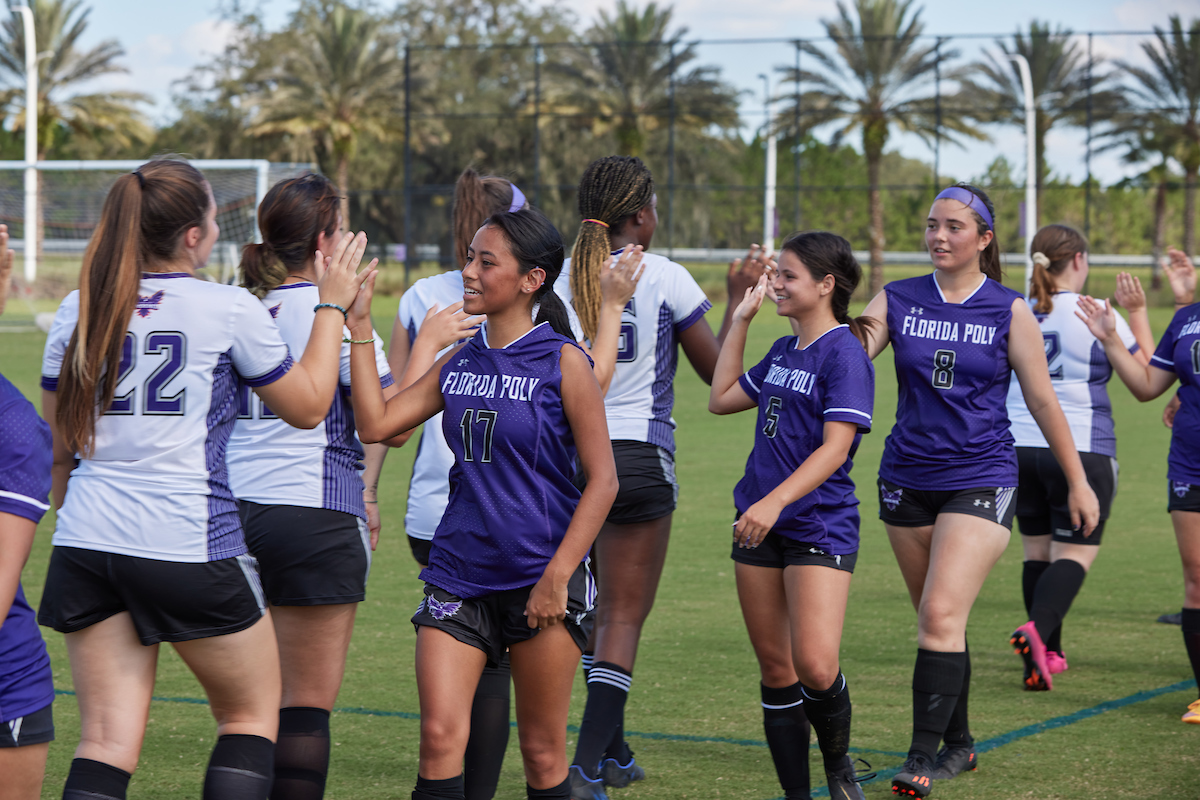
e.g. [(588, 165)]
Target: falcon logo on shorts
[(892, 499), (1181, 489), (439, 610), (147, 304), (275, 311)]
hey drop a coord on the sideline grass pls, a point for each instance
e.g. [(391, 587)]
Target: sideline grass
[(696, 676)]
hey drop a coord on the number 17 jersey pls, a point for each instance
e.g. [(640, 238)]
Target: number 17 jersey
[(952, 428)]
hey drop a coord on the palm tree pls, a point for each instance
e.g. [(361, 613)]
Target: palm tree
[(339, 76), (1058, 67), (884, 81), (631, 75), (1170, 91)]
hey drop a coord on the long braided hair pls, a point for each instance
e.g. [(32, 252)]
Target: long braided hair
[(611, 191)]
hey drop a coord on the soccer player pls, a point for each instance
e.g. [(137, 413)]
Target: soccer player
[(26, 683), (140, 378), (1058, 556), (949, 468), (507, 566), (795, 541), (303, 505), (1176, 358), (618, 207)]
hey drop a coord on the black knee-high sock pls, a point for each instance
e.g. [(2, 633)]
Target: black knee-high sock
[(1031, 572), (448, 789), (608, 688), (1191, 638), (958, 729), (301, 754), (787, 729), (560, 792), (95, 780), (937, 681), (489, 732), (829, 712), (1056, 590), (240, 768)]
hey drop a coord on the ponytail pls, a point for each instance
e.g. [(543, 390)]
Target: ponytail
[(141, 223), (611, 191), (536, 243), (292, 215), (823, 253), (475, 199), (1053, 249), (552, 309), (261, 270)]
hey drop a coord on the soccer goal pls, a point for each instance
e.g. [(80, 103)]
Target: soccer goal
[(71, 193)]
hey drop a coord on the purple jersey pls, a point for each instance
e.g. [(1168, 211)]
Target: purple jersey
[(1179, 352), (952, 369), (797, 392), (511, 496), (26, 683)]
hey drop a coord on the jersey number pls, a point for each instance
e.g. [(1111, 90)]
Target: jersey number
[(1053, 351), (247, 405), (943, 369), (772, 426), (155, 400), (627, 344), (482, 417), (1196, 357)]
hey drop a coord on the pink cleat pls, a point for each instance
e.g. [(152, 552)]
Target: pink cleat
[(1028, 645), (1056, 662)]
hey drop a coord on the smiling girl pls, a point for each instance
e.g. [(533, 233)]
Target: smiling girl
[(949, 468), (796, 536)]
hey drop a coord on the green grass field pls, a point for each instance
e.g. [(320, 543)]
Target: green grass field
[(693, 715)]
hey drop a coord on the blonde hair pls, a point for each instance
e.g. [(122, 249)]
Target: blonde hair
[(475, 199)]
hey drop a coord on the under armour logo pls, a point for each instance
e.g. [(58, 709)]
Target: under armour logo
[(462, 361), (984, 503), (917, 311), (776, 358)]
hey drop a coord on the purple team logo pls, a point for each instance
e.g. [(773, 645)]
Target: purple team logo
[(147, 304), (439, 610), (275, 311), (1181, 489), (891, 499)]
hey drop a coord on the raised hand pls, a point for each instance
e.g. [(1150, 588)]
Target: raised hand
[(620, 275), (6, 266), (744, 274), (752, 300), (1181, 274), (338, 277), (1129, 294), (1100, 319), (440, 329)]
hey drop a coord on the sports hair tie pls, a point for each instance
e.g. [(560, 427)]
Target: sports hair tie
[(141, 178), (970, 200), (1041, 260), (518, 201), (598, 222)]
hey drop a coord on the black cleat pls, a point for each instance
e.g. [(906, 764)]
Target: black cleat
[(953, 761), (844, 781), (619, 776), (583, 787), (914, 778)]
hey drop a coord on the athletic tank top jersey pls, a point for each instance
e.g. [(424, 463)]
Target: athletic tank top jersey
[(952, 369), (26, 683), (272, 463), (667, 300), (1080, 372), (798, 391), (511, 496), (429, 488), (1179, 352), (156, 485)]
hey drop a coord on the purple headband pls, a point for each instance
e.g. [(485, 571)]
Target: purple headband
[(518, 199), (967, 198)]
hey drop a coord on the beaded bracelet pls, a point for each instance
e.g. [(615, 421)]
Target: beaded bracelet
[(319, 306), (357, 341)]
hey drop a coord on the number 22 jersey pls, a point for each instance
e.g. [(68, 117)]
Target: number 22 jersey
[(952, 428)]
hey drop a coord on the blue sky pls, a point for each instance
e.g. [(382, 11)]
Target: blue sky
[(164, 40)]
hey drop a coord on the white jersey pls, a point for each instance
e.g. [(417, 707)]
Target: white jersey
[(667, 300), (272, 463), (1080, 372), (156, 484), (429, 489)]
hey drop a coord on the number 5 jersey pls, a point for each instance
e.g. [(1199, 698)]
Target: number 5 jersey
[(952, 429)]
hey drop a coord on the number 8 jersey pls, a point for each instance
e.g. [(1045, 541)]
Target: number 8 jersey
[(156, 484), (952, 368)]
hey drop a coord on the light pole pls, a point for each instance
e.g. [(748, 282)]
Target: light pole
[(768, 240), (1030, 164), (31, 115)]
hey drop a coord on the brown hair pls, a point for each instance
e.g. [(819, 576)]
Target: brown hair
[(989, 259), (141, 223), (611, 191), (475, 199), (823, 253), (1053, 249), (291, 217)]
